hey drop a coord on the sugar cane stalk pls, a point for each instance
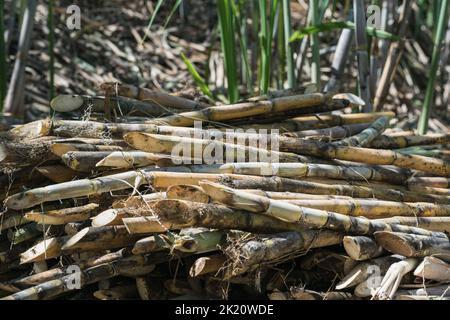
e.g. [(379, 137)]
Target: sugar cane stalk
[(62, 216), (259, 108), (305, 216), (366, 269), (433, 268), (156, 97), (398, 142), (94, 274), (178, 213), (252, 253), (361, 248), (441, 224), (393, 277), (365, 155), (365, 137), (412, 245), (333, 133)]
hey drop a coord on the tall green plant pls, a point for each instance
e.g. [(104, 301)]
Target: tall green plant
[(51, 44), (315, 63), (240, 17), (227, 32), (429, 95), (264, 42), (2, 57), (287, 45)]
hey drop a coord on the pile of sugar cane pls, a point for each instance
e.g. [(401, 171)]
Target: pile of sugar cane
[(101, 206)]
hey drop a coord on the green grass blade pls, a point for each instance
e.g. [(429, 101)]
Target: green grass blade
[(201, 83), (172, 11), (429, 94), (152, 18), (227, 32), (238, 13)]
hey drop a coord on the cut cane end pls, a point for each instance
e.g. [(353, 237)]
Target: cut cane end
[(393, 243), (66, 103)]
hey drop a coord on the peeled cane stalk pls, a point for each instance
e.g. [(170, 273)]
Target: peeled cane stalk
[(145, 225), (307, 217), (133, 159), (412, 245), (207, 265), (366, 269), (393, 277), (62, 216), (361, 248), (441, 224), (365, 137), (46, 249), (433, 268), (31, 130), (59, 149), (113, 217), (249, 254)]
